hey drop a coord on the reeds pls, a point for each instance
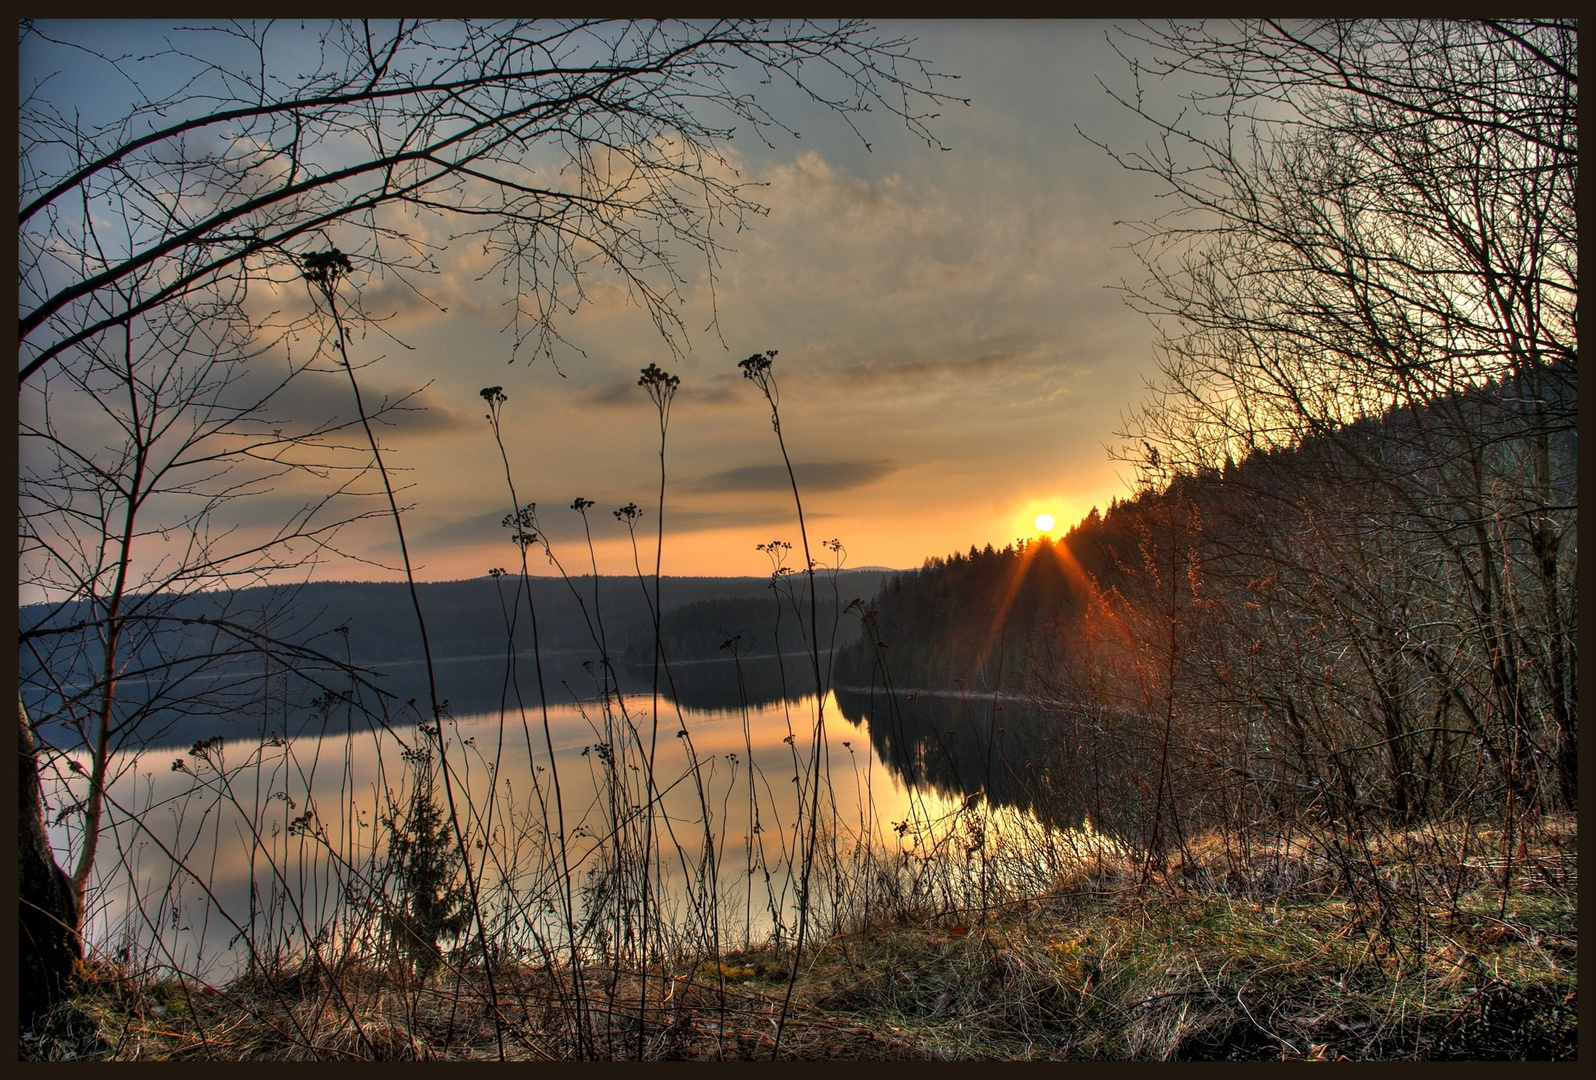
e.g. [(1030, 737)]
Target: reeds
[(669, 904)]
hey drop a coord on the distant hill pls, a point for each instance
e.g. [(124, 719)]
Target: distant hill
[(464, 618), (193, 662), (1425, 509)]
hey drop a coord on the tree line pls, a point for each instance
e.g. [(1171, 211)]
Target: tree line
[(1362, 624), (1345, 588), (192, 258)]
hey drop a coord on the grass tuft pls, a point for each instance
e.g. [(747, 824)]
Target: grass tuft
[(1211, 965)]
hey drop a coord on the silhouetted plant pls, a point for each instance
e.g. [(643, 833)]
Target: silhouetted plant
[(430, 904)]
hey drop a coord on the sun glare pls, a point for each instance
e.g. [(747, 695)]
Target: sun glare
[(1044, 523)]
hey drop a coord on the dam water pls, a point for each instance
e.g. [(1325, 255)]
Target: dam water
[(240, 849)]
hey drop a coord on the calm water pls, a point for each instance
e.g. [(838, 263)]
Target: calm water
[(275, 833)]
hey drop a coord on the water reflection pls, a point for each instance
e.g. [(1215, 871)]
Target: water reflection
[(258, 703), (276, 834), (276, 825), (1049, 763)]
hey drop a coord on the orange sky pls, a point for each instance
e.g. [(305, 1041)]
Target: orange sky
[(952, 358), (952, 361)]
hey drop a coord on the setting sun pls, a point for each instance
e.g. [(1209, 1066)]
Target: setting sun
[(968, 305)]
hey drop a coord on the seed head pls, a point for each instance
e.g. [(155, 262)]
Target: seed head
[(324, 268)]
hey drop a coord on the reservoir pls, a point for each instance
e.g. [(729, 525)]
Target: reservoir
[(240, 849)]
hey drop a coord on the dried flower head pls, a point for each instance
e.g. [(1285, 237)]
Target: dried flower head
[(661, 386), (756, 366), (324, 268), (523, 524), (522, 518), (656, 376)]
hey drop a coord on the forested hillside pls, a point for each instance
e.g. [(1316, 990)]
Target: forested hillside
[(1382, 616), (195, 660)]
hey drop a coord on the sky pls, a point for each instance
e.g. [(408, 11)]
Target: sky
[(953, 356)]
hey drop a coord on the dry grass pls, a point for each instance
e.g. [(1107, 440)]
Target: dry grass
[(1103, 969), (1219, 958)]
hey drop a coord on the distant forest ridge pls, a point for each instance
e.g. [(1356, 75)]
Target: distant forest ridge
[(260, 659), (1353, 535), (477, 616)]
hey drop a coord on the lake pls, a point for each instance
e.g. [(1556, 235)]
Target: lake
[(277, 834)]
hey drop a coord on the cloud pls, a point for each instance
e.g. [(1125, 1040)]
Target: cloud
[(736, 516), (981, 368), (425, 413), (718, 388), (559, 523), (618, 394), (811, 476), (319, 397), (563, 527)]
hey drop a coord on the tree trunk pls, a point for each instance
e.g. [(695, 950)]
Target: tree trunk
[(47, 939)]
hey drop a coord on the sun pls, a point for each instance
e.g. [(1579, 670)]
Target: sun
[(1044, 523)]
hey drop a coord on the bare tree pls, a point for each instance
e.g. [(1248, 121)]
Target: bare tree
[(141, 462), (1368, 214), (564, 148), (156, 247), (1378, 219)]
